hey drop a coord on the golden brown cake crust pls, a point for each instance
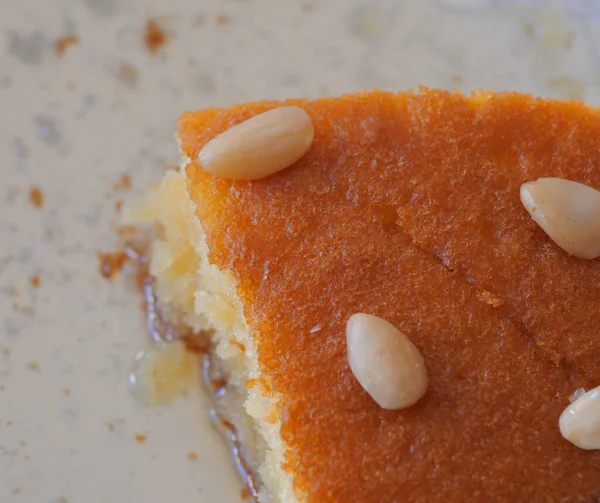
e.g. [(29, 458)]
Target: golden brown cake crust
[(407, 207)]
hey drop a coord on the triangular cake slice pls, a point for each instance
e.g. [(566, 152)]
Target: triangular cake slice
[(406, 206)]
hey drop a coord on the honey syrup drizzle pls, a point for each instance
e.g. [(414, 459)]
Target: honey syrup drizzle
[(217, 388), (160, 330)]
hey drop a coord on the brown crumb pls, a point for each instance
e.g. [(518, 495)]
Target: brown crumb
[(8, 423), (528, 30), (63, 43), (66, 391), (307, 7), (17, 491), (111, 427), (12, 290), (195, 345), (71, 86), (245, 493), (124, 183), (35, 366), (141, 438), (490, 298), (223, 19), (34, 281), (36, 197), (192, 456), (5, 351), (238, 345), (155, 36), (111, 263), (118, 205), (2, 387), (457, 79)]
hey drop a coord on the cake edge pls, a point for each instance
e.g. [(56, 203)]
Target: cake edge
[(205, 298)]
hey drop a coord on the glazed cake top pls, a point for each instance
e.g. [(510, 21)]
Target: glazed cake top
[(407, 207)]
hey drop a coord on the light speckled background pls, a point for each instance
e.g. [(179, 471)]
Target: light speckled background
[(74, 124)]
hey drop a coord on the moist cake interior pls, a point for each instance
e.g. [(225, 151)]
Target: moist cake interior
[(406, 207), (197, 294)]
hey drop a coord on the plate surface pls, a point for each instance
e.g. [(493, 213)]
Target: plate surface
[(88, 96)]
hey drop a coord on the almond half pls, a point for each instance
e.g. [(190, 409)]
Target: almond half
[(261, 146), (569, 212)]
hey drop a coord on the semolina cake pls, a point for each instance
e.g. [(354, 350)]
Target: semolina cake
[(404, 206)]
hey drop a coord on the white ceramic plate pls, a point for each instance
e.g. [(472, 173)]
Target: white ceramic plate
[(73, 124)]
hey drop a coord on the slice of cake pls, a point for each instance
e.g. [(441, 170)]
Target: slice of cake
[(406, 207)]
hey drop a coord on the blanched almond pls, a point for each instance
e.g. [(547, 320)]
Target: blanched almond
[(385, 362), (569, 212), (261, 146), (580, 421)]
